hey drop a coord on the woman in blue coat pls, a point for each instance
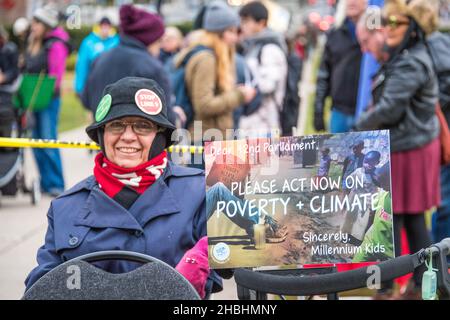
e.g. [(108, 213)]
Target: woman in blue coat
[(136, 200)]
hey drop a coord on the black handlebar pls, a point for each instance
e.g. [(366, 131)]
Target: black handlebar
[(343, 281)]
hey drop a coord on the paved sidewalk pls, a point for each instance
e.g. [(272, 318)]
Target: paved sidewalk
[(23, 226)]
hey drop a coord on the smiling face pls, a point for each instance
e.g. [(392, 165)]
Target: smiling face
[(129, 149)]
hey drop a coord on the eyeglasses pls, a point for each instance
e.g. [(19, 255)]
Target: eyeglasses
[(393, 22), (141, 128)]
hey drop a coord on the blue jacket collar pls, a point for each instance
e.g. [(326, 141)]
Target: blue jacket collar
[(100, 211)]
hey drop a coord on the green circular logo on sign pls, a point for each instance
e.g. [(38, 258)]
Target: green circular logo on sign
[(103, 108)]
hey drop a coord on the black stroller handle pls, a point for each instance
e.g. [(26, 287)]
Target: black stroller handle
[(337, 282), (443, 247)]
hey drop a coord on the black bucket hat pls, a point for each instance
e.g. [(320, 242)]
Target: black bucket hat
[(132, 97)]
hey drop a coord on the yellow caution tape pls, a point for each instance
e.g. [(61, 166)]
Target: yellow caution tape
[(44, 143), (185, 149)]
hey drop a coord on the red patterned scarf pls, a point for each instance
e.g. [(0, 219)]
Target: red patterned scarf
[(112, 178)]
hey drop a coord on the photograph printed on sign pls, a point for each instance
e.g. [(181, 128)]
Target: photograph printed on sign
[(299, 200)]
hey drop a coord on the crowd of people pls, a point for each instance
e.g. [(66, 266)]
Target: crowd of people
[(406, 91), (231, 72)]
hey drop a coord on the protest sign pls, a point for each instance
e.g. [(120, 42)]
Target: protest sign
[(299, 200)]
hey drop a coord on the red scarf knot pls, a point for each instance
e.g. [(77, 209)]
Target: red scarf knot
[(113, 178)]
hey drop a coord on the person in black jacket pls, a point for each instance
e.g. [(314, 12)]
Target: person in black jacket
[(405, 94), (338, 75), (9, 73), (136, 55)]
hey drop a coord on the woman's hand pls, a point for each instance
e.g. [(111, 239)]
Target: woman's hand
[(248, 92), (194, 266)]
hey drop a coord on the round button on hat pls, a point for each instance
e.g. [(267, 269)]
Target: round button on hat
[(132, 97)]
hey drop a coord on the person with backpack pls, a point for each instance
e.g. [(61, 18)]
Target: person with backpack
[(207, 88), (46, 54), (265, 52)]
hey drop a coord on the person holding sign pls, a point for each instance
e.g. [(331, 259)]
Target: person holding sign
[(136, 200)]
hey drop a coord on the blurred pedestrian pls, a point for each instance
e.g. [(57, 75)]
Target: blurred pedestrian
[(371, 34), (171, 44), (21, 30), (265, 52), (136, 55), (438, 45), (301, 42), (46, 54), (338, 75), (9, 75), (210, 73), (404, 100), (102, 38)]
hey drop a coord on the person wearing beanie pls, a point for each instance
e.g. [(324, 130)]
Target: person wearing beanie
[(102, 38), (46, 55), (136, 200), (404, 101), (135, 55), (265, 52), (210, 76)]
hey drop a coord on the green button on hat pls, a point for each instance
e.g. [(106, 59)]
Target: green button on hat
[(103, 108)]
